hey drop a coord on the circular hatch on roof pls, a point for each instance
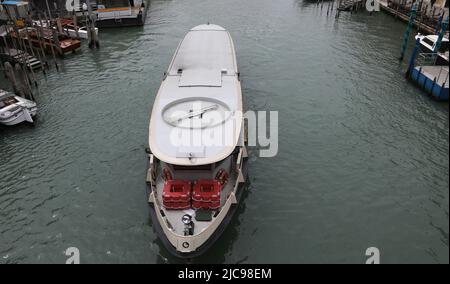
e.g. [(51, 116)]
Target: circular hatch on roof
[(196, 113)]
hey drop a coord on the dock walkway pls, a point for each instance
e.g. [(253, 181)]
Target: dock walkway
[(18, 56), (438, 73)]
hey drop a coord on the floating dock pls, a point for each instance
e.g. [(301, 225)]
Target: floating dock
[(432, 79)]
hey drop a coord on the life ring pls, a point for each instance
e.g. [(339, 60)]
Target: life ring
[(222, 176), (166, 175)]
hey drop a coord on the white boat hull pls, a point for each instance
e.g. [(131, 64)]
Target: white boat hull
[(19, 117), (15, 110), (81, 33), (201, 92)]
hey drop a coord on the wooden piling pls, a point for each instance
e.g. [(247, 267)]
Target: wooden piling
[(9, 72), (51, 45), (26, 88), (408, 31)]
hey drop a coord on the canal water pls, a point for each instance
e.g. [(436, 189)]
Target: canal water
[(363, 155)]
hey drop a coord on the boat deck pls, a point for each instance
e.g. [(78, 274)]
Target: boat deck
[(432, 79), (174, 216)]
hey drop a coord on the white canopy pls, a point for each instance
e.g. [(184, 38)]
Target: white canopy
[(197, 114)]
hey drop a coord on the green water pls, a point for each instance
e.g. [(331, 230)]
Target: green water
[(363, 157)]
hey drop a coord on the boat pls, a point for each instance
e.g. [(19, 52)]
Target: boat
[(195, 188), (428, 44), (69, 28), (63, 45), (15, 109), (121, 13)]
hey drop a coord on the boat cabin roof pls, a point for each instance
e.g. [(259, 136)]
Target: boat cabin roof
[(197, 114)]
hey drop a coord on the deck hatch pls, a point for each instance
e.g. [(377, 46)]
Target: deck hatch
[(200, 78)]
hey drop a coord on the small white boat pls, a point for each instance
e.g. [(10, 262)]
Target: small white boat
[(428, 45), (15, 110), (69, 29), (194, 188), (82, 31)]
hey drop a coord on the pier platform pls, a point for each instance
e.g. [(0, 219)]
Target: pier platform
[(16, 56), (432, 79)]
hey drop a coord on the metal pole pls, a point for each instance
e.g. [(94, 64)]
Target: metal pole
[(438, 25), (441, 35), (408, 31), (412, 59)]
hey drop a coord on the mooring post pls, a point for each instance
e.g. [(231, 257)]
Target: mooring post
[(93, 40), (432, 14), (48, 10), (412, 59), (75, 23), (408, 31), (438, 25), (51, 42), (441, 35), (26, 88), (9, 72), (338, 10), (40, 39)]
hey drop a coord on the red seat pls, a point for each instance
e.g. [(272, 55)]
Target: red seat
[(206, 194), (177, 194)]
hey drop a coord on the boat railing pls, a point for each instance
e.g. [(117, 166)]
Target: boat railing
[(430, 59), (426, 59)]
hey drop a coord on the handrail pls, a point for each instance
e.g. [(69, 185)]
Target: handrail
[(428, 59)]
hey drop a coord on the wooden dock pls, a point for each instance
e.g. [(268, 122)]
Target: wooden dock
[(350, 5)]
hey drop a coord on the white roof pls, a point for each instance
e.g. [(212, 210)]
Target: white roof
[(197, 114), (435, 38)]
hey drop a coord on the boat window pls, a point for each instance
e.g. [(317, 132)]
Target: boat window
[(7, 102), (194, 168), (428, 41)]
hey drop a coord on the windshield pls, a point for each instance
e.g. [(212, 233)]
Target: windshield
[(7, 102)]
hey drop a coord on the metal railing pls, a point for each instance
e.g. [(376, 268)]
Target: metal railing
[(426, 59), (430, 59)]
